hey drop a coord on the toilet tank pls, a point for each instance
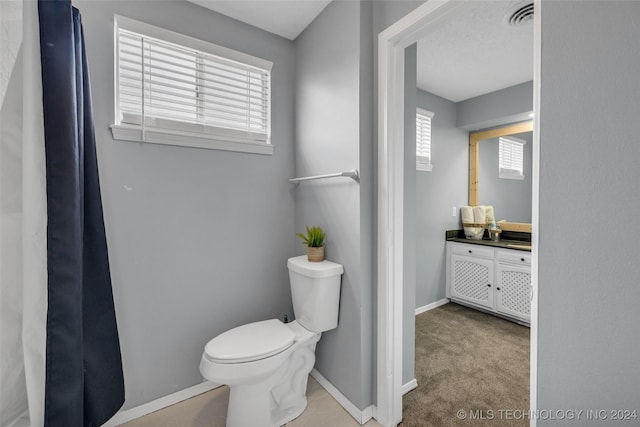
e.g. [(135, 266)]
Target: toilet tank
[(315, 290)]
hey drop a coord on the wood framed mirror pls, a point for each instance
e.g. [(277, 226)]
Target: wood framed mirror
[(475, 139)]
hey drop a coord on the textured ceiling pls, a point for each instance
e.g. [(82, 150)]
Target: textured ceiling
[(286, 18), (473, 52), (467, 54)]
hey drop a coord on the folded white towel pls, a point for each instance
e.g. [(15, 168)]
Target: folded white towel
[(467, 214), (479, 215), (489, 213)]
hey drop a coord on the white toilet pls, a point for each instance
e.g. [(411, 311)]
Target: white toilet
[(266, 364)]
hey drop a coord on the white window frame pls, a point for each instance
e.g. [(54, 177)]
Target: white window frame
[(424, 163), (168, 132), (511, 157)]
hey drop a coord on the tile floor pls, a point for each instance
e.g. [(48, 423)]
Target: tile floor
[(210, 409)]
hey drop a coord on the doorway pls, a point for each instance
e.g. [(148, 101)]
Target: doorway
[(392, 43)]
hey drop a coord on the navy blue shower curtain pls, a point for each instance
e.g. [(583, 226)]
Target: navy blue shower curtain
[(84, 384)]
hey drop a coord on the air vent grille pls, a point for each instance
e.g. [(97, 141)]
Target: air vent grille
[(520, 14)]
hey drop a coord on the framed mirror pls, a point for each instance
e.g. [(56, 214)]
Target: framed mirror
[(475, 142)]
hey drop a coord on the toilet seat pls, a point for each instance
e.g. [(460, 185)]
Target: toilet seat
[(250, 342)]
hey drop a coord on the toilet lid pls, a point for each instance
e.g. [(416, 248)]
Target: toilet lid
[(253, 341)]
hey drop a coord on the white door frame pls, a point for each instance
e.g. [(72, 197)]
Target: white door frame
[(391, 45)]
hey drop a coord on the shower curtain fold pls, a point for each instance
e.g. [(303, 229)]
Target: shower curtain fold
[(84, 384)]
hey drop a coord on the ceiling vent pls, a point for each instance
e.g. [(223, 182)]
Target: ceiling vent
[(519, 15)]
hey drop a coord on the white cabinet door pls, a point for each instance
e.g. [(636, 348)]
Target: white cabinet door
[(513, 291), (472, 280)]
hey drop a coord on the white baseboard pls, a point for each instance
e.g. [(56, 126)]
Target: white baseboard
[(122, 417), (431, 306), (406, 388), (361, 416)]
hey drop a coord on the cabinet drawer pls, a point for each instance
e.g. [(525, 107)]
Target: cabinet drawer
[(513, 257), (471, 250)]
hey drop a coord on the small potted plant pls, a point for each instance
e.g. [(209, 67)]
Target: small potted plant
[(315, 243)]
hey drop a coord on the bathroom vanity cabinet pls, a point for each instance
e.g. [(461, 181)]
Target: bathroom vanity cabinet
[(492, 279)]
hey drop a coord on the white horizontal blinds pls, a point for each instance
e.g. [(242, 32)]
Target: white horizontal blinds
[(423, 140), (511, 157), (165, 85), (240, 95)]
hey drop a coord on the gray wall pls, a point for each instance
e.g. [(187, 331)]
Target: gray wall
[(437, 192), (388, 12), (447, 185), (198, 239), (328, 139), (588, 335), (509, 105), (511, 198)]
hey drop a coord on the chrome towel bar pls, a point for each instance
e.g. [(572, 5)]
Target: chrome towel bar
[(353, 174)]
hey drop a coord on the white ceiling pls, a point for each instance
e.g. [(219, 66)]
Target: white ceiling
[(470, 53), (286, 18), (474, 52)]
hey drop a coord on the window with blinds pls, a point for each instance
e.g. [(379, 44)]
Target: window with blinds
[(511, 158), (178, 90), (423, 140)]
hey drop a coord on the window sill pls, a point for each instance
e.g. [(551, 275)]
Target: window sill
[(423, 168), (514, 177), (188, 139)]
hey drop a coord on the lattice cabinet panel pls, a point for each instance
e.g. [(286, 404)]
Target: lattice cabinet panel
[(494, 280), (472, 280), (514, 291)]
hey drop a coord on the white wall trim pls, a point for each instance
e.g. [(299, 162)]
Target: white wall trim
[(361, 416), (433, 305), (391, 45), (122, 417), (411, 385), (180, 138), (535, 222)]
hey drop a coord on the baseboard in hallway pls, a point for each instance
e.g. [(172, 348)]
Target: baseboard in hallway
[(406, 388), (431, 306)]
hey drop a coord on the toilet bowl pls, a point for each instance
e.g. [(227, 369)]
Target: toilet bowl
[(266, 364)]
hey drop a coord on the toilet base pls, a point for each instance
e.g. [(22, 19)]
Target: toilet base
[(290, 415), (268, 400), (261, 408), (289, 397), (279, 398)]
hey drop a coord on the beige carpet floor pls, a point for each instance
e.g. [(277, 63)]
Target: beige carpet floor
[(472, 369)]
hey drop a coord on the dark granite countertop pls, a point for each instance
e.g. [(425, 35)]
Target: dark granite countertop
[(508, 240)]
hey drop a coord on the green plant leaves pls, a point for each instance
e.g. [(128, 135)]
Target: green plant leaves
[(314, 238)]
